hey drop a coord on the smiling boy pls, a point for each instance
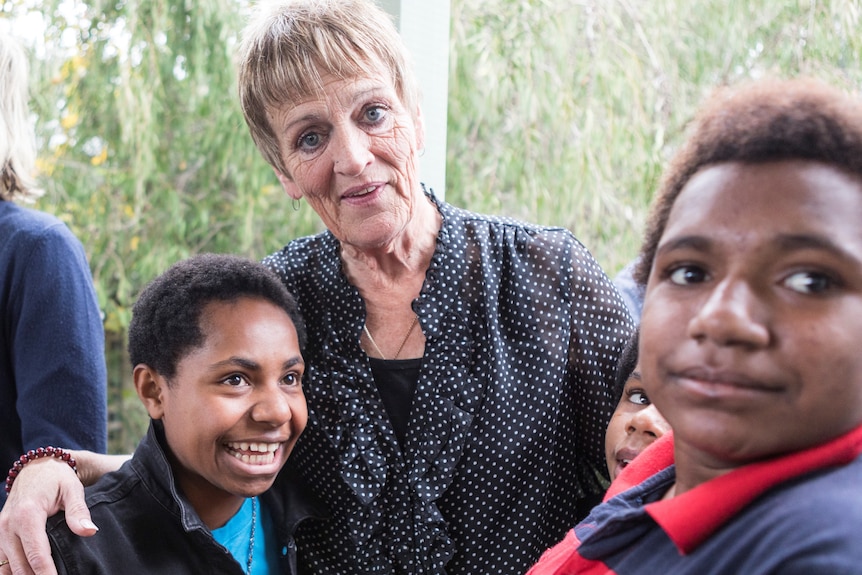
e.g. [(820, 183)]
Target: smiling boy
[(750, 348), (215, 343)]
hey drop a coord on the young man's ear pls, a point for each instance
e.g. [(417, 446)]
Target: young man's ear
[(287, 183), (151, 387)]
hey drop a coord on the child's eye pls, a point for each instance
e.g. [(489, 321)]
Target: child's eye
[(809, 282), (638, 396), (685, 275), (292, 379), (235, 380)]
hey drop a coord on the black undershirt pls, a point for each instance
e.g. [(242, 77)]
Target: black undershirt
[(396, 381)]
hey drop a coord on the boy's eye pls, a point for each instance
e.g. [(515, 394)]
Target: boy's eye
[(292, 379), (639, 397), (685, 275), (809, 282), (235, 380)]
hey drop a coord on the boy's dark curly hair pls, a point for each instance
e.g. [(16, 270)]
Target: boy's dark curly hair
[(165, 324), (757, 122)]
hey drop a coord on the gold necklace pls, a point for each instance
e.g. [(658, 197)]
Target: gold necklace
[(400, 347)]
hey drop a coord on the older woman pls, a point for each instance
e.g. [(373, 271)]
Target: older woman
[(458, 365)]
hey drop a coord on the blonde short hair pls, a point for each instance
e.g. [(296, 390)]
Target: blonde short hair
[(289, 44), (17, 139)]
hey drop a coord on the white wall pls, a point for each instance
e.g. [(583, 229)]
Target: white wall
[(424, 24)]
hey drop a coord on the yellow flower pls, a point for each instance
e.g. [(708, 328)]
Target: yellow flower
[(100, 159), (44, 166), (69, 121)]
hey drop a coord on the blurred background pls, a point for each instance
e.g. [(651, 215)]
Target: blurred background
[(559, 112)]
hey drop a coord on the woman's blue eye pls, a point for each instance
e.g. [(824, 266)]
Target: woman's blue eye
[(809, 282), (687, 275), (374, 114), (309, 140)]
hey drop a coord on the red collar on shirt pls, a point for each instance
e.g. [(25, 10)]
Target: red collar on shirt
[(690, 518)]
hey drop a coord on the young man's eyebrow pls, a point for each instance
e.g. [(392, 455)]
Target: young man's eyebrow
[(684, 242), (292, 362), (785, 242), (793, 242)]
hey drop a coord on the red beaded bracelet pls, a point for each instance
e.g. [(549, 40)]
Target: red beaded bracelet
[(49, 451)]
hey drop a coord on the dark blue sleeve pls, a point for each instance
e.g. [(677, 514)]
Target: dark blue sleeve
[(58, 346), (632, 293)]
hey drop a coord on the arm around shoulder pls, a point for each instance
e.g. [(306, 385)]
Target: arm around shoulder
[(43, 488)]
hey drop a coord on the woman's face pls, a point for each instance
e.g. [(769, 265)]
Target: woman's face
[(635, 424), (351, 153), (752, 317)]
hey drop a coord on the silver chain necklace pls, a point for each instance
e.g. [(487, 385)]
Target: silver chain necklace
[(400, 347), (251, 538)]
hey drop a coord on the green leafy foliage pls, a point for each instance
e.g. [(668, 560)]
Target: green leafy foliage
[(565, 112), (561, 112), (145, 154)]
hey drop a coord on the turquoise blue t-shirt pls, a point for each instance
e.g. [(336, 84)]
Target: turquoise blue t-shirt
[(235, 534)]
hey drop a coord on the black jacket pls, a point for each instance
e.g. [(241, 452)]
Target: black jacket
[(147, 526)]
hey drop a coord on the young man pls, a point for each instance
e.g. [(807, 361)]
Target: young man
[(750, 348)]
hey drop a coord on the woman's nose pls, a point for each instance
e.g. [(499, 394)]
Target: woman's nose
[(352, 151), (729, 316), (649, 422)]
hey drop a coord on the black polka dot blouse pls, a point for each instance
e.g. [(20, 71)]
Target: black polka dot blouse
[(505, 435)]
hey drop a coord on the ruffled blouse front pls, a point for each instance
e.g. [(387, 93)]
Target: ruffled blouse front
[(505, 432)]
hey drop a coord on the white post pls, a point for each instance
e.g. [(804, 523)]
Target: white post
[(424, 24)]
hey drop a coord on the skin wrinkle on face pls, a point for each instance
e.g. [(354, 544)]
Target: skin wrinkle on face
[(354, 152), (751, 323), (242, 385)]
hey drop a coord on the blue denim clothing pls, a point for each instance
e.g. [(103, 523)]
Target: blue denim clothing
[(147, 526)]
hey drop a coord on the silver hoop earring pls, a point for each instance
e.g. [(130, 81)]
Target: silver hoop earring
[(294, 204), (421, 151)]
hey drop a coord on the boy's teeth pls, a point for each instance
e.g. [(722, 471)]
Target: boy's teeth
[(262, 458), (255, 447)]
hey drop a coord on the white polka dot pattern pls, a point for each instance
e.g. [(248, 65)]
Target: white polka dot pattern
[(506, 430)]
